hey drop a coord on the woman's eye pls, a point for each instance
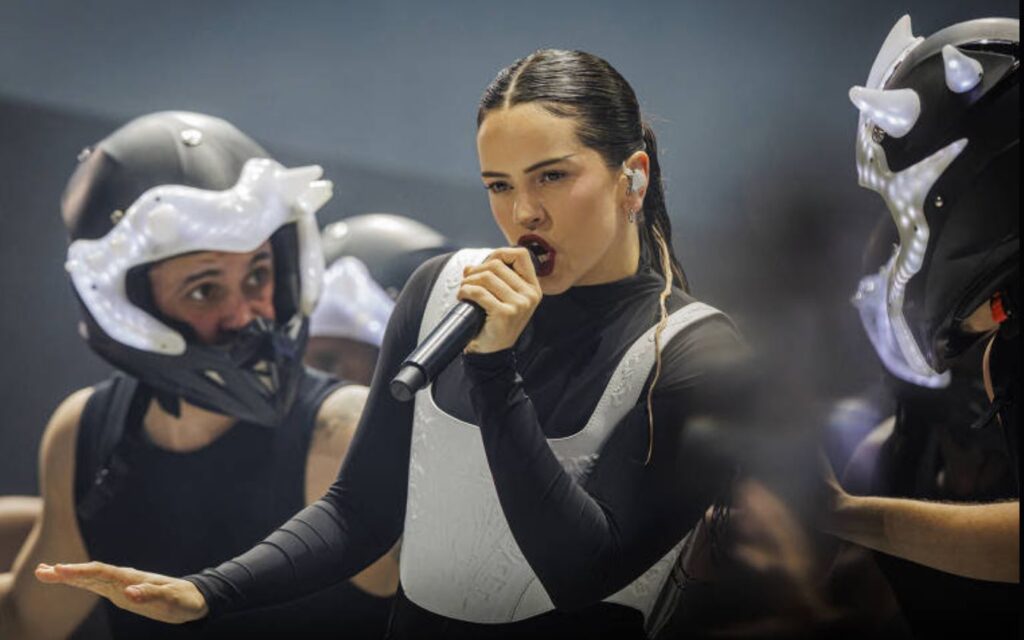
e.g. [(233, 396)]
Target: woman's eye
[(551, 176), (498, 187)]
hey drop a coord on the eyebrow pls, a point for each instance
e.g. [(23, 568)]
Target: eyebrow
[(529, 169), (206, 273), (259, 257)]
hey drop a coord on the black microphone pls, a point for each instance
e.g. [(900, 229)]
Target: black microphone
[(448, 339)]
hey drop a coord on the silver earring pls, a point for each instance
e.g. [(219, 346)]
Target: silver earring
[(632, 217)]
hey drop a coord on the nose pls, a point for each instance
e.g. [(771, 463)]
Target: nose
[(527, 212), (238, 314), (242, 310)]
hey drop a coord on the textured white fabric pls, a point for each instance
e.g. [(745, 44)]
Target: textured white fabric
[(459, 558)]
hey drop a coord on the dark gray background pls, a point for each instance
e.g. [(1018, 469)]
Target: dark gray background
[(748, 99)]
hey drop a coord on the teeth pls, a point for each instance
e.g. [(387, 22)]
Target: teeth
[(543, 258)]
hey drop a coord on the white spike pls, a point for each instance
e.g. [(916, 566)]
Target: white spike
[(895, 111), (900, 37), (963, 72), (294, 182), (914, 182), (316, 194)]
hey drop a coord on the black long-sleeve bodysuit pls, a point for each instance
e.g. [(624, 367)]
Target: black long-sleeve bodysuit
[(584, 541)]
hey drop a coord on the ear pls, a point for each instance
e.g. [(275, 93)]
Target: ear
[(636, 174)]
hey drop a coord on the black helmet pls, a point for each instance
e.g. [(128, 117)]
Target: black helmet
[(939, 138), (172, 183), (391, 246)]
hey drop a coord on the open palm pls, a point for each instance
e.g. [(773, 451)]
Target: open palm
[(147, 594)]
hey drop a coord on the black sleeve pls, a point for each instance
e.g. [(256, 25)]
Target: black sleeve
[(586, 540), (362, 514)]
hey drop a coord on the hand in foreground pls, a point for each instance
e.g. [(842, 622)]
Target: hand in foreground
[(506, 287), (147, 594)]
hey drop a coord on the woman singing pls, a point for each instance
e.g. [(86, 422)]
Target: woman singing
[(545, 480)]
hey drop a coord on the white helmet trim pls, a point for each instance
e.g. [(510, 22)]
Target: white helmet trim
[(171, 220), (880, 297)]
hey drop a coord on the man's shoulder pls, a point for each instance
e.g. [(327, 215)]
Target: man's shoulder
[(63, 423), (335, 428), (57, 450), (344, 404)]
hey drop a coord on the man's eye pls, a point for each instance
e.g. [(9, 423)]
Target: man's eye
[(258, 277), (202, 293), (498, 187)]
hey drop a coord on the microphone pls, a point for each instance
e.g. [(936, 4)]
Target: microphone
[(448, 339)]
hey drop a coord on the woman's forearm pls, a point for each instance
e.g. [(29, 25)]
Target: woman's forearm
[(978, 541)]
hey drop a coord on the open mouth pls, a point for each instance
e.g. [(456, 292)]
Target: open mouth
[(544, 253)]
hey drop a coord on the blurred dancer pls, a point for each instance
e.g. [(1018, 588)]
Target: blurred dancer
[(370, 257)]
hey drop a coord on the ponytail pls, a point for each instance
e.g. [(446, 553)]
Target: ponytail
[(656, 215)]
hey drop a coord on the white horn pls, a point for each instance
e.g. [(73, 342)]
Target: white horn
[(894, 111), (314, 197), (900, 37), (295, 182), (963, 73)]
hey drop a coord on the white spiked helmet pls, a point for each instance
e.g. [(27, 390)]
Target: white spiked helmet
[(173, 183), (938, 139)]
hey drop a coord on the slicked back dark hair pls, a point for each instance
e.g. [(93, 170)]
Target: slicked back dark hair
[(580, 85), (584, 87)]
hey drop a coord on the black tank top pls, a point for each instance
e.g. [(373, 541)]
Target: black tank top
[(146, 507)]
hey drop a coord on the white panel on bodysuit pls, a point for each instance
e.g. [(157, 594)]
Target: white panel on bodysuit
[(459, 558)]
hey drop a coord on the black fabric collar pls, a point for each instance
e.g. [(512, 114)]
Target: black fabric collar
[(581, 305)]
